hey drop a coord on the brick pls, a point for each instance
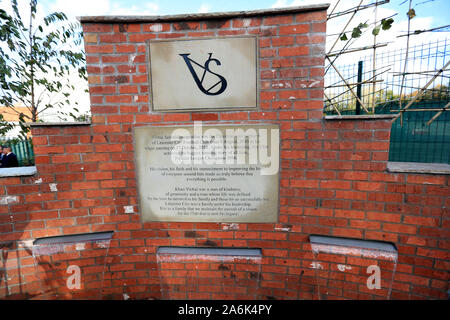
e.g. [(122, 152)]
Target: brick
[(69, 158), (293, 51), (85, 185), (319, 27), (175, 117), (400, 228), (294, 29), (292, 115), (282, 41), (263, 115), (425, 179), (205, 117), (234, 116), (99, 49), (294, 94)]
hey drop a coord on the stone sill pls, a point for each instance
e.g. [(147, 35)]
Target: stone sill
[(361, 117), (17, 172), (200, 16), (418, 167), (57, 124)]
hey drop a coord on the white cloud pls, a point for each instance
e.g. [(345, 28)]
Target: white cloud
[(24, 10), (280, 4), (294, 3), (82, 7), (148, 9), (204, 8), (102, 7)]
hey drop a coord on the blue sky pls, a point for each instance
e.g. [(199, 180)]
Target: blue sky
[(438, 9)]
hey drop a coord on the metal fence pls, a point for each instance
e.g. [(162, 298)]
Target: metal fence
[(413, 139)]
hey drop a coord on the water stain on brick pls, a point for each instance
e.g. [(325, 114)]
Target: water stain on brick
[(190, 234), (122, 193), (223, 267), (266, 32), (184, 26), (121, 79), (6, 245), (215, 24), (210, 243), (253, 275), (123, 27)]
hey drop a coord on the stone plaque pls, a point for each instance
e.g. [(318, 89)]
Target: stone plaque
[(223, 173), (204, 74)]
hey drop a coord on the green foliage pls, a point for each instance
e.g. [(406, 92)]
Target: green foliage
[(85, 117), (37, 59), (385, 24), (5, 126), (357, 31)]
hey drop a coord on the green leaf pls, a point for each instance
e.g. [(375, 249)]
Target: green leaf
[(386, 24), (376, 30), (356, 33), (344, 37)]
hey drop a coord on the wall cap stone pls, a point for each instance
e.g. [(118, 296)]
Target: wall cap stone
[(361, 117), (53, 124), (418, 167), (17, 171), (201, 16)]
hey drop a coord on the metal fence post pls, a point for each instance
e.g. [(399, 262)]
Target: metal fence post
[(358, 87)]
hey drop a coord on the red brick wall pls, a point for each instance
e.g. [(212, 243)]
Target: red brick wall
[(333, 177)]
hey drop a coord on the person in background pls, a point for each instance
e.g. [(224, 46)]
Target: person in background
[(9, 159), (1, 155)]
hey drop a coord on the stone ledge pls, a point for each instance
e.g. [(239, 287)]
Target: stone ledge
[(201, 16), (361, 117), (17, 172), (418, 167), (210, 251), (57, 124)]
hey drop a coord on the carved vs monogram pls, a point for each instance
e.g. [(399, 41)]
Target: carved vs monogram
[(208, 91)]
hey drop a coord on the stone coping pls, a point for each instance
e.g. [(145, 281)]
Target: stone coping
[(352, 242), (418, 167), (210, 251), (202, 16), (53, 124), (361, 117), (18, 171), (75, 238)]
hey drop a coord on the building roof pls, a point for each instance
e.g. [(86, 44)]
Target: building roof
[(13, 116)]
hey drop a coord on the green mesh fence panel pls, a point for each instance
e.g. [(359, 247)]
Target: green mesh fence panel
[(415, 141), (24, 152)]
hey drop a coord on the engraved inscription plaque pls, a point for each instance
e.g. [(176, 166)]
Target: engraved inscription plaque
[(203, 74), (222, 173)]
